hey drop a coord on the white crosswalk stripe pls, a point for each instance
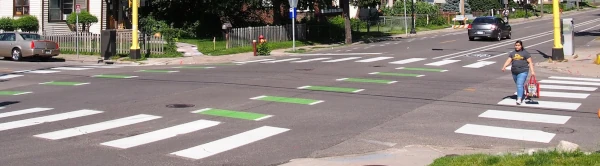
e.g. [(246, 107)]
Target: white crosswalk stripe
[(570, 82), (46, 119), (479, 64), (9, 76), (22, 112), (310, 60), (342, 59), (526, 117), (442, 62), (260, 60), (38, 71), (560, 87), (543, 104), (575, 78), (508, 133), (72, 132), (282, 60), (405, 61), (70, 68), (231, 142), (563, 94), (374, 59)]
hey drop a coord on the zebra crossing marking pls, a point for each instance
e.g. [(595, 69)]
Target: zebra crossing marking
[(343, 59), (374, 59), (310, 60), (479, 64), (563, 94), (9, 76), (228, 143), (560, 87), (260, 60), (405, 61), (508, 133), (526, 117), (103, 67), (92, 128), (575, 78), (570, 82), (282, 60), (46, 119), (38, 71), (543, 104), (161, 134), (70, 68), (442, 62), (22, 112)]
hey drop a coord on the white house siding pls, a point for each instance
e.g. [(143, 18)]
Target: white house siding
[(35, 9), (6, 8), (96, 10)]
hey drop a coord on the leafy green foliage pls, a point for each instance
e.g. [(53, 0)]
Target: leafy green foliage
[(85, 19), (27, 23), (7, 24), (454, 6), (484, 5), (263, 49), (420, 8)]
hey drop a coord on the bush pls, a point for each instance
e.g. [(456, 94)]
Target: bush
[(7, 24), (27, 23), (263, 49), (85, 19)]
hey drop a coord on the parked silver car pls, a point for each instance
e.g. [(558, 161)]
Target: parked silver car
[(17, 45)]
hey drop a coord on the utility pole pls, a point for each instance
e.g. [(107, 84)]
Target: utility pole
[(462, 7), (413, 31), (134, 52), (557, 50)]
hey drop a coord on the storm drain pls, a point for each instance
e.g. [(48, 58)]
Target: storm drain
[(180, 105)]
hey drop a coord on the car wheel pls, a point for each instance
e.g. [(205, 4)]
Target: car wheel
[(509, 34), (499, 38), (471, 38), (16, 54)]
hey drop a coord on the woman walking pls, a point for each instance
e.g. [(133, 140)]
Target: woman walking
[(521, 63)]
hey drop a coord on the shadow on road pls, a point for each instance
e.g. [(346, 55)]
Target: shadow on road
[(32, 59), (6, 103)]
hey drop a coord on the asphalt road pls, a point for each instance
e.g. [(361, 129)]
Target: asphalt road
[(332, 102)]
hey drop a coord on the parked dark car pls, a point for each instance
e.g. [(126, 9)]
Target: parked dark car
[(489, 27)]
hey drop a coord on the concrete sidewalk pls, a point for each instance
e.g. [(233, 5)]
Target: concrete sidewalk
[(581, 64)]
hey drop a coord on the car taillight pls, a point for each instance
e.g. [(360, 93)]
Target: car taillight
[(32, 45), (57, 46), (470, 26)]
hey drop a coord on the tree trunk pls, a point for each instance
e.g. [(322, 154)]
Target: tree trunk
[(346, 13)]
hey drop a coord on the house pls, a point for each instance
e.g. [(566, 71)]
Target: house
[(52, 14)]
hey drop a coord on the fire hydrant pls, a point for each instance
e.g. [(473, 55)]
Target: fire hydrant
[(261, 40)]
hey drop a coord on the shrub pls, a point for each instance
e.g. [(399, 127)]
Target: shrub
[(7, 24), (85, 19), (263, 49), (27, 23)]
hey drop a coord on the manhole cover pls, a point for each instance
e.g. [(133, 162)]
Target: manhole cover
[(304, 69), (561, 130), (180, 105)]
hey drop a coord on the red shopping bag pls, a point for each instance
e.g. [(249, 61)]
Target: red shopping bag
[(532, 89)]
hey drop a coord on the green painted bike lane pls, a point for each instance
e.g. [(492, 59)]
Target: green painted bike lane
[(13, 93), (232, 114)]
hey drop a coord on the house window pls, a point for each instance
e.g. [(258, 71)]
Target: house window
[(21, 7), (59, 10)]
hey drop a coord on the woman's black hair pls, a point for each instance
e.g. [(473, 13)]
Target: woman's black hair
[(521, 43)]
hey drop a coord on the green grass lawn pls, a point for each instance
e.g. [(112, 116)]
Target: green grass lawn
[(206, 47), (549, 158)]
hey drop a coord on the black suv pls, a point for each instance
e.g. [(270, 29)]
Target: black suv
[(489, 27)]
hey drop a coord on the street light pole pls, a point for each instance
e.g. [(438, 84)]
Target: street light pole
[(557, 50), (412, 30), (134, 52)]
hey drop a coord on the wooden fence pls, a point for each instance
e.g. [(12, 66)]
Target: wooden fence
[(90, 43), (240, 37)]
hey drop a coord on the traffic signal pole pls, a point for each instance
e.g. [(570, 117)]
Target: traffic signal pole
[(557, 50), (134, 52)]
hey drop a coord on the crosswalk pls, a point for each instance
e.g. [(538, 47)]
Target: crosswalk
[(552, 91), (355, 59), (161, 134), (22, 73)]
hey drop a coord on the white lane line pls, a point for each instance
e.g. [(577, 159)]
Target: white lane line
[(316, 102), (526, 117), (310, 60), (563, 94), (228, 143), (480, 64), (374, 59), (38, 71), (341, 79), (161, 134), (342, 59), (103, 67), (542, 104), (442, 62), (282, 60), (570, 82), (21, 112), (507, 133), (1, 108), (76, 131), (70, 68), (411, 60), (575, 78), (260, 60), (46, 119), (325, 54), (9, 76), (579, 88)]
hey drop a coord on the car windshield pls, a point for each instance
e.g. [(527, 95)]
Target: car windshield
[(484, 20), (31, 36)]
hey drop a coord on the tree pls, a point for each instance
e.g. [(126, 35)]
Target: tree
[(346, 13), (454, 6)]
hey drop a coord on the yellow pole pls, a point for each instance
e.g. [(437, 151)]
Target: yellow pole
[(135, 48), (557, 50)]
